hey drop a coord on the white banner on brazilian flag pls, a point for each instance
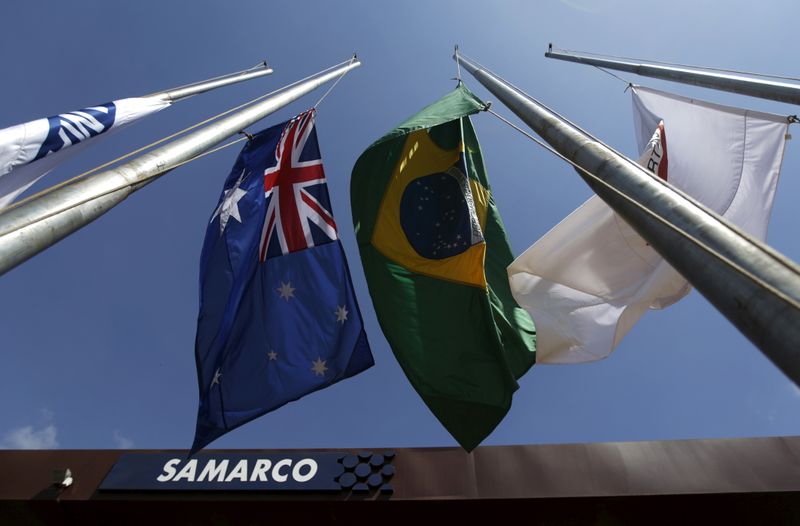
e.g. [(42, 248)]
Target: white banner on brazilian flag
[(588, 280), (29, 151)]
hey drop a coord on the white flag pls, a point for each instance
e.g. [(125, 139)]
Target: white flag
[(589, 279), (29, 151)]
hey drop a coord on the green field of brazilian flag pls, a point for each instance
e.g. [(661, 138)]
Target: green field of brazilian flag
[(435, 255)]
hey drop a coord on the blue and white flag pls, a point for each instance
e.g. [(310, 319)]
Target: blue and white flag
[(29, 151), (278, 315)]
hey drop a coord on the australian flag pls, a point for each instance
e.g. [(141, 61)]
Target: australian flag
[(278, 315)]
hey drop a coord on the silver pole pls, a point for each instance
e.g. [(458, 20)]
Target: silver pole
[(761, 88), (755, 287), (195, 88), (30, 228)]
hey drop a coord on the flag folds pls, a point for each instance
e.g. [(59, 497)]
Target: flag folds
[(434, 253), (278, 314), (590, 278), (29, 151)]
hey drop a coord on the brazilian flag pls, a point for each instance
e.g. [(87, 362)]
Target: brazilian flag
[(435, 255)]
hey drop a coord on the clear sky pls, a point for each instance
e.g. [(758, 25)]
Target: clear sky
[(97, 333)]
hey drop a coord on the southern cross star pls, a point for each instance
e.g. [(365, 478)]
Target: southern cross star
[(229, 207), (341, 314), (272, 355), (217, 375), (319, 367), (286, 290)]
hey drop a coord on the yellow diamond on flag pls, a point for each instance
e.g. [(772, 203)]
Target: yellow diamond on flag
[(432, 215)]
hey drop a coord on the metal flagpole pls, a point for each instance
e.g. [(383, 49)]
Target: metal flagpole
[(183, 92), (755, 287), (35, 225), (761, 88)]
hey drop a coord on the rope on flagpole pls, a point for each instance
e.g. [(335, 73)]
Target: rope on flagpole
[(458, 65), (543, 105), (724, 259), (628, 82), (352, 59), (162, 140)]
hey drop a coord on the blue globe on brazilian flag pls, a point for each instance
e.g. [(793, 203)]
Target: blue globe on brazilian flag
[(435, 254)]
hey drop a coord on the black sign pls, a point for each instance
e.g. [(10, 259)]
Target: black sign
[(295, 471)]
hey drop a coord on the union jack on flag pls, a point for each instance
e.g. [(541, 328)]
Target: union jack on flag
[(298, 208), (272, 329)]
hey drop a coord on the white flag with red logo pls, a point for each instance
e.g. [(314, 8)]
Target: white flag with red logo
[(591, 277), (30, 150)]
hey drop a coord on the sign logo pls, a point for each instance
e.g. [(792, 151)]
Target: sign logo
[(73, 127), (244, 470), (296, 471)]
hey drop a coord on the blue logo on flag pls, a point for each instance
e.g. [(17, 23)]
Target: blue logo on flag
[(73, 127)]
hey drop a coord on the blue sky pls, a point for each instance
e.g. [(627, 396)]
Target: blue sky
[(97, 332)]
